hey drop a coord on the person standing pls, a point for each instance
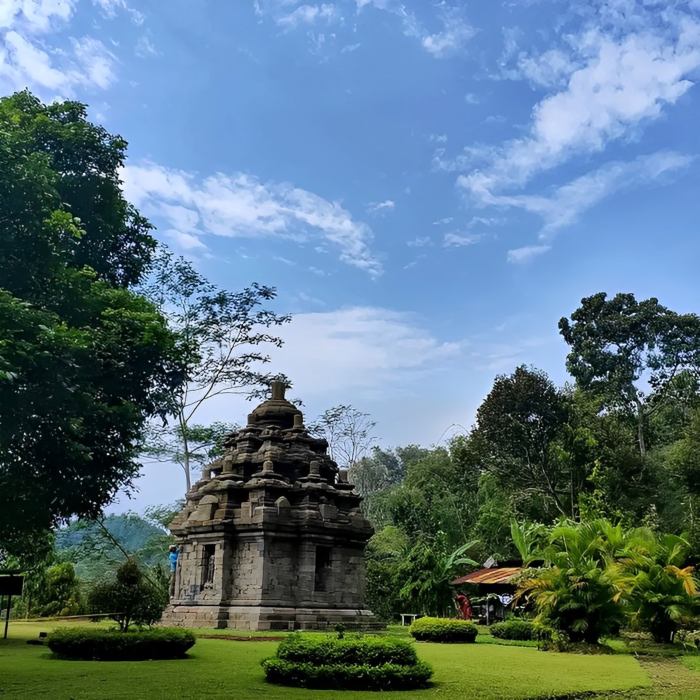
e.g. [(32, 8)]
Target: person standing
[(172, 558)]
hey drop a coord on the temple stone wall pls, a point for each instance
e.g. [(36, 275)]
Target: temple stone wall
[(272, 536)]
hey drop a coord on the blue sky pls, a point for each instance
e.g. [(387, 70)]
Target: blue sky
[(429, 185)]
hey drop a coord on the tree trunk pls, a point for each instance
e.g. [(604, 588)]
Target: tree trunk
[(185, 451), (640, 429)]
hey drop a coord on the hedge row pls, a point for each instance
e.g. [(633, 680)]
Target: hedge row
[(347, 676), (113, 645), (514, 629), (353, 663), (371, 651), (440, 629)]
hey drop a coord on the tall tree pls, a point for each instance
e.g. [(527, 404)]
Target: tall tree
[(629, 352), (84, 361), (222, 337), (518, 426), (349, 433)]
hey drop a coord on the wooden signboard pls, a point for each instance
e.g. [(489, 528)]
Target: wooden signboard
[(10, 585)]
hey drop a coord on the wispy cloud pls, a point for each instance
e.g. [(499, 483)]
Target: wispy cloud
[(359, 348), (111, 8), (420, 242), (27, 58), (454, 34), (460, 240), (565, 205), (386, 205), (527, 253), (241, 205), (307, 15), (623, 83)]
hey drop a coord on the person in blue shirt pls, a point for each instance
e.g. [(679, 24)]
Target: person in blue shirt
[(172, 558)]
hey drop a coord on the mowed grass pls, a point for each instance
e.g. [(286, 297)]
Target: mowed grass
[(693, 663), (231, 669)]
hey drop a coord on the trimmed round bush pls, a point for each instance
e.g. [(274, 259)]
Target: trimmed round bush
[(352, 663), (113, 645), (442, 629), (514, 629)]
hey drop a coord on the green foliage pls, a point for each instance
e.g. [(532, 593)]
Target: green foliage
[(529, 540), (599, 576), (514, 629), (442, 629), (426, 572), (84, 362), (367, 663), (129, 598), (663, 593), (99, 547), (579, 594), (221, 340), (518, 428), (369, 650), (620, 344), (59, 593), (384, 554), (113, 645)]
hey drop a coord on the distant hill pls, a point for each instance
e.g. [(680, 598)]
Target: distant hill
[(95, 555)]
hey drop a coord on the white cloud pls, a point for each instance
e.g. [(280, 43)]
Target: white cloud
[(241, 205), (360, 348), (386, 205), (96, 62), (623, 83), (35, 15), (185, 241), (307, 15), (460, 240), (566, 203), (145, 47), (28, 60), (526, 253), (451, 40), (548, 69), (420, 242), (110, 9)]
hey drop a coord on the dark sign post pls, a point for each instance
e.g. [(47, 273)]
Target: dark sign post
[(10, 584)]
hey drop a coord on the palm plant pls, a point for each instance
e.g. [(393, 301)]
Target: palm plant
[(581, 593), (664, 592)]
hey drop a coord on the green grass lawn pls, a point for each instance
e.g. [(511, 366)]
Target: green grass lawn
[(692, 662), (218, 668)]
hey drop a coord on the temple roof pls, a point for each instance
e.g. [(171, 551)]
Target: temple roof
[(276, 410)]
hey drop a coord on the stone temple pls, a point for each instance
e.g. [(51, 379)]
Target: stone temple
[(272, 537)]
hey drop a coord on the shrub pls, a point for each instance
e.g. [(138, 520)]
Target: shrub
[(347, 677), (359, 663), (130, 597), (514, 629), (113, 645), (439, 629), (373, 651)]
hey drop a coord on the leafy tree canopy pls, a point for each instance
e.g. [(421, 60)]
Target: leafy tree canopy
[(84, 361)]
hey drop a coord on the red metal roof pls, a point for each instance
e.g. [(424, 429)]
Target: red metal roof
[(498, 574)]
